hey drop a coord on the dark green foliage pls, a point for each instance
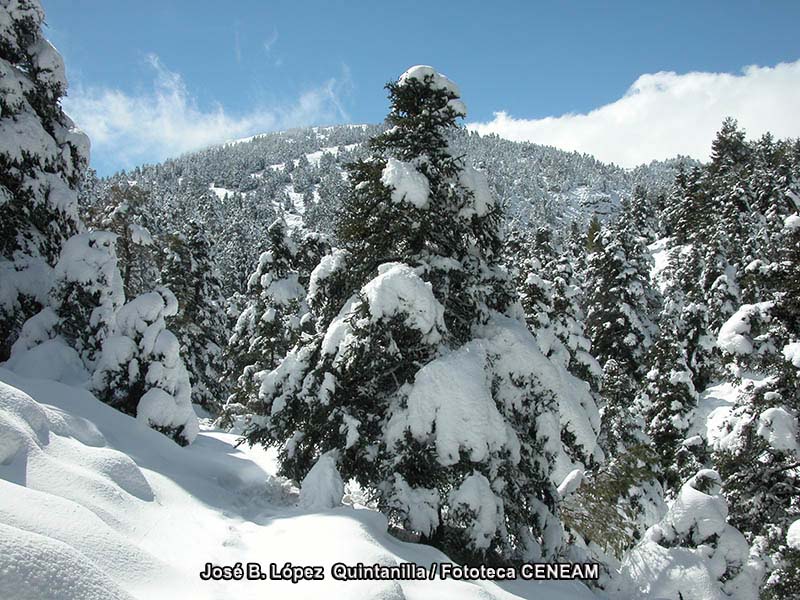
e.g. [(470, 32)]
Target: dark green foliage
[(200, 325)]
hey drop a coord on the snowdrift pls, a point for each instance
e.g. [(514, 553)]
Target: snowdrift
[(96, 505)]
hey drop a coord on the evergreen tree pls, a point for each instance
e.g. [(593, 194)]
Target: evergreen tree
[(621, 426), (200, 324), (42, 160), (276, 313), (666, 402), (549, 295), (621, 304), (694, 533), (415, 380), (87, 292), (125, 210), (761, 428)]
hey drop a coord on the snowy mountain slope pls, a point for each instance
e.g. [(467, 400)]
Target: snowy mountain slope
[(235, 190), (94, 504)]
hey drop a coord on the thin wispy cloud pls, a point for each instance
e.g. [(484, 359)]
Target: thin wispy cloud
[(237, 45), (665, 114), (167, 120), (271, 41)]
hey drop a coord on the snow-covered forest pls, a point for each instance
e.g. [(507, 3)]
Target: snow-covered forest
[(392, 343)]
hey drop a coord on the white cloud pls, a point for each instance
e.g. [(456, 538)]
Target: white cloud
[(666, 114), (166, 121)]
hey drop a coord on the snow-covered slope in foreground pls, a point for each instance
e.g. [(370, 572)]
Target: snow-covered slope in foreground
[(94, 505)]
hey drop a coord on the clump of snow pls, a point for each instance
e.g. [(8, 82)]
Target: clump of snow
[(475, 496), (406, 183), (792, 222), (438, 80), (420, 504), (693, 552), (452, 399), (481, 198), (698, 514), (793, 535), (329, 264), (571, 483), (779, 427), (398, 290), (322, 487), (791, 352), (140, 235), (734, 336)]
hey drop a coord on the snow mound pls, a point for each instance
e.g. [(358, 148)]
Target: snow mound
[(322, 488), (52, 358), (95, 505), (36, 567)]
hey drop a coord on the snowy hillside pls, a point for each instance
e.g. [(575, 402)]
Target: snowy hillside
[(94, 505), (238, 188)]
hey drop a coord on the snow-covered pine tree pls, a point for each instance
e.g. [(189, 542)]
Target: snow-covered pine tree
[(666, 401), (549, 294), (427, 393), (201, 324), (621, 427), (761, 430), (140, 370), (42, 159), (125, 210), (87, 291), (693, 537), (274, 318), (621, 303)]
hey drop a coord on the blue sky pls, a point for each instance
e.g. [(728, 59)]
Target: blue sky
[(233, 69)]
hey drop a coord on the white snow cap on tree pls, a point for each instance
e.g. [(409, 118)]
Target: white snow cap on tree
[(439, 82), (734, 335), (397, 290), (322, 488), (407, 184)]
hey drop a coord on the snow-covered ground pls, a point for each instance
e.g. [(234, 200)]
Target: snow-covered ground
[(95, 505)]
